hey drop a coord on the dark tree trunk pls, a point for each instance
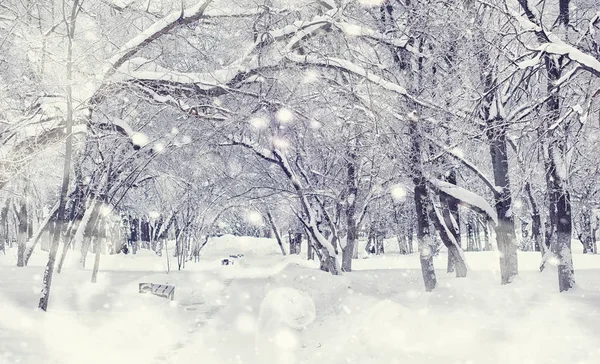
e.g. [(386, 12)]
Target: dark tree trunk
[(452, 221), (145, 233), (424, 236), (22, 233), (295, 243), (403, 247), (456, 261), (536, 221), (586, 231), (276, 232), (348, 250), (505, 230), (559, 179), (134, 234), (496, 132), (4, 223), (566, 278), (410, 234), (379, 243), (450, 232), (470, 234), (594, 235)]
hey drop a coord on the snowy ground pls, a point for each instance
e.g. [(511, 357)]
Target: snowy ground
[(270, 309)]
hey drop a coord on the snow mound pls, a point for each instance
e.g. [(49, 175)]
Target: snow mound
[(283, 312), (287, 306)]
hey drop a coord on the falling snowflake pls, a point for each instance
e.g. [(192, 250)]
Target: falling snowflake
[(254, 218), (518, 204), (310, 76), (159, 147), (105, 210), (259, 122), (370, 2), (139, 139), (314, 124), (284, 115), (398, 193), (280, 143), (458, 152)]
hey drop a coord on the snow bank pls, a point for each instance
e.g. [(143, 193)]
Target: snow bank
[(286, 308)]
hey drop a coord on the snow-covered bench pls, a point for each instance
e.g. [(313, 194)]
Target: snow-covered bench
[(162, 290)]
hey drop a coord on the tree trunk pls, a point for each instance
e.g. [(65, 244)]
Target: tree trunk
[(448, 234), (310, 252), (566, 279), (295, 243), (424, 237), (403, 247), (486, 237), (411, 248), (99, 238), (97, 250), (556, 153), (48, 272), (4, 223), (451, 220), (275, 230), (22, 233), (536, 222), (470, 234), (594, 235), (348, 250), (505, 229), (379, 243), (78, 235), (586, 231), (328, 262), (165, 243), (89, 232), (496, 132), (477, 234)]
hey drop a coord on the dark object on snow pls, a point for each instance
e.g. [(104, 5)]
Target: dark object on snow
[(125, 249), (227, 261), (161, 290), (235, 256)]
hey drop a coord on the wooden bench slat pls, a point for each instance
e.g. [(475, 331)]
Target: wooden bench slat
[(161, 290)]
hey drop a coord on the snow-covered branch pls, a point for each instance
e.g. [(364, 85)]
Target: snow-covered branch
[(153, 32), (551, 43), (468, 164), (350, 67), (465, 198)]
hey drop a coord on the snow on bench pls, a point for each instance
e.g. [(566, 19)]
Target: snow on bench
[(161, 290)]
